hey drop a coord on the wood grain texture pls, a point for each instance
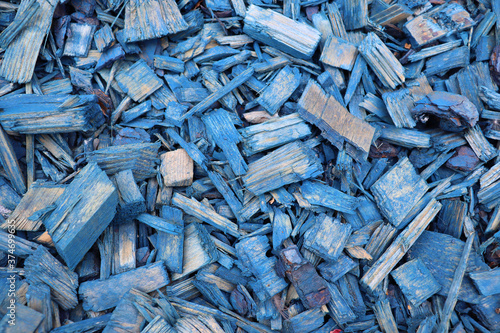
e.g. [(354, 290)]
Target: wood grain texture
[(171, 247), (339, 53), (288, 164), (10, 163), (42, 267), (27, 43), (441, 253), (416, 281), (83, 211), (337, 124), (138, 81), (150, 19), (327, 237), (372, 278), (38, 114), (199, 250), (100, 295), (177, 168), (281, 32), (398, 190), (34, 205)]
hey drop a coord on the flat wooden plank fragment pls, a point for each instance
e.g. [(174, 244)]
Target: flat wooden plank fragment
[(100, 295), (273, 133), (82, 212), (177, 168), (281, 32), (398, 190), (141, 158), (339, 53), (28, 42), (38, 114), (337, 124), (415, 281), (425, 29), (291, 163), (488, 282), (138, 81), (327, 237), (280, 89), (34, 205), (318, 194), (149, 19)]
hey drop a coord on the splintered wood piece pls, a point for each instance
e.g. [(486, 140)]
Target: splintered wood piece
[(34, 206), (79, 40), (415, 281), (141, 158), (103, 38), (276, 30), (138, 81), (372, 278), (171, 247), (381, 60), (288, 164), (398, 190), (199, 250), (334, 270), (124, 247), (337, 124), (200, 211), (19, 23), (254, 261), (42, 267), (221, 128), (82, 212), (273, 133), (177, 168), (318, 194), (311, 288), (38, 114), (327, 237), (339, 53), (130, 200), (152, 19), (100, 295), (10, 163), (28, 42), (280, 89), (384, 316), (355, 13)]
